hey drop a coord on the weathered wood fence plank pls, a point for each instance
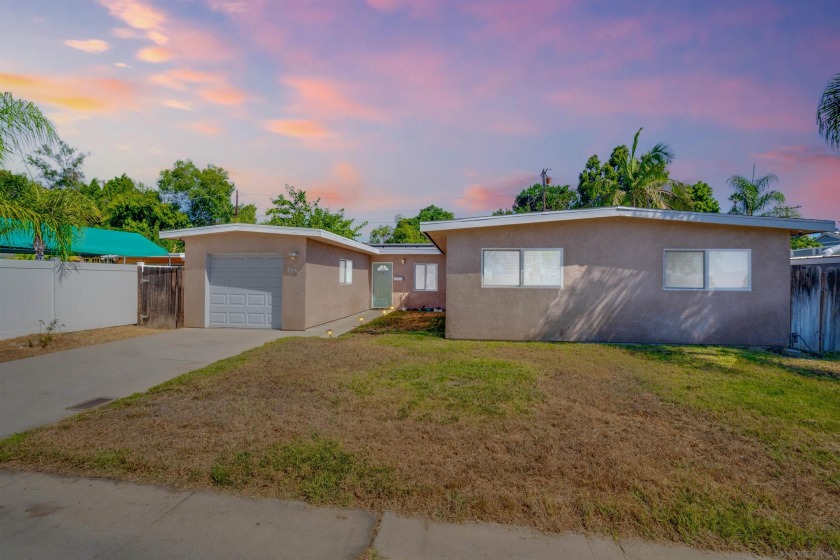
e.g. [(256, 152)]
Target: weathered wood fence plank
[(815, 307), (160, 301)]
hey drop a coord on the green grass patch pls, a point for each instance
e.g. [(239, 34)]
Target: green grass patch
[(447, 389), (318, 469)]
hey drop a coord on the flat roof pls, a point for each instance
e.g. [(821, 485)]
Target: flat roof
[(406, 248), (87, 242), (790, 224), (311, 233)]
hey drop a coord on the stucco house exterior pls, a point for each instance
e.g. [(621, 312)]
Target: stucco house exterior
[(604, 274), (257, 276), (619, 275)]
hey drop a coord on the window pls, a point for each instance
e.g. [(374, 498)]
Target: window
[(522, 268), (426, 277), (345, 271), (708, 269)]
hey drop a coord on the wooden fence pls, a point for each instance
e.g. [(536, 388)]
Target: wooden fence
[(160, 297), (815, 307)]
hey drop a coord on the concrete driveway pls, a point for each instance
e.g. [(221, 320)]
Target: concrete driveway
[(37, 391)]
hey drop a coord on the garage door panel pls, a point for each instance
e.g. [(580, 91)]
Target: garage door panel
[(244, 292)]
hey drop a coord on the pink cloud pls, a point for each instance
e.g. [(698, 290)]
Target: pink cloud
[(495, 193), (223, 95), (179, 78), (138, 15), (345, 187), (207, 128), (297, 128), (154, 54), (326, 99), (88, 45)]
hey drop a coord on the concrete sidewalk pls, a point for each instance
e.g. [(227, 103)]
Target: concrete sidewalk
[(37, 391), (48, 516)]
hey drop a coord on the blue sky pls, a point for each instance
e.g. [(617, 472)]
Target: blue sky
[(385, 106)]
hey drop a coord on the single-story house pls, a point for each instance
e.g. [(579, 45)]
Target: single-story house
[(257, 276), (604, 274), (620, 275)]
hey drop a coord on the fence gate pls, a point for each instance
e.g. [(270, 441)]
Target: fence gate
[(815, 307), (160, 297)]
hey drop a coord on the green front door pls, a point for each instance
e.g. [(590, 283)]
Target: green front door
[(383, 281)]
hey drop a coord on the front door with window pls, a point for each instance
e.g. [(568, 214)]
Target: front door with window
[(383, 282)]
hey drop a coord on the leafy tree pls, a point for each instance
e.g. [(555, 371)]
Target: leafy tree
[(804, 242), (753, 197), (297, 211), (50, 216), (60, 168), (21, 125), (596, 183), (381, 234), (828, 112), (202, 194), (247, 214), (407, 230), (557, 197), (703, 199), (131, 206)]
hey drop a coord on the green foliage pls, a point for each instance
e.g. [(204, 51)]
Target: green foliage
[(407, 322), (22, 125), (46, 332), (202, 194), (703, 199), (60, 168), (247, 214), (828, 112), (130, 206), (557, 197), (407, 230), (297, 211), (804, 242), (753, 197), (596, 183)]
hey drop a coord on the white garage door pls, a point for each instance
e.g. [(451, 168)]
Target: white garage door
[(245, 291)]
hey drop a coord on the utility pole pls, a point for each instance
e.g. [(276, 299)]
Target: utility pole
[(236, 208), (545, 181)]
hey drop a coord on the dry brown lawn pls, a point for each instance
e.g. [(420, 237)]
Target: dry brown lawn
[(561, 437), (32, 345)]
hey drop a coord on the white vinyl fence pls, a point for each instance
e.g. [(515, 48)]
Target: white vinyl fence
[(78, 295)]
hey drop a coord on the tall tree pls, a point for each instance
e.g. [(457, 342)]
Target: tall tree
[(530, 199), (407, 230), (381, 234), (754, 197), (828, 112), (596, 183), (60, 168), (297, 211), (202, 194), (703, 199), (247, 214), (22, 125)]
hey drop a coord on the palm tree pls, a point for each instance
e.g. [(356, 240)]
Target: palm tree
[(828, 112), (752, 197), (643, 182), (22, 124)]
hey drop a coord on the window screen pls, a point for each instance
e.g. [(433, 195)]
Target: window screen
[(345, 271), (500, 268), (685, 270), (542, 267), (425, 277), (729, 269)]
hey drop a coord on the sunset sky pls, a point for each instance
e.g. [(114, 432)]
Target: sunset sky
[(385, 106)]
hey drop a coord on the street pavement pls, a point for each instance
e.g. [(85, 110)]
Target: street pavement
[(45, 516)]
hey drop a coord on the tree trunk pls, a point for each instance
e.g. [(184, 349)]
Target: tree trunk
[(39, 246)]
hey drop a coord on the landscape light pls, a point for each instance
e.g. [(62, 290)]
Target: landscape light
[(329, 333)]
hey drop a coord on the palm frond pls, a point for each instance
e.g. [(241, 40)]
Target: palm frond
[(22, 124), (828, 112)]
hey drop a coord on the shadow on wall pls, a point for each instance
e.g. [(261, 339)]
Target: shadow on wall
[(607, 304)]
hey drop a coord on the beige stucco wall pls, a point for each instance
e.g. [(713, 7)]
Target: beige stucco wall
[(613, 285), (326, 299), (404, 294), (293, 285)]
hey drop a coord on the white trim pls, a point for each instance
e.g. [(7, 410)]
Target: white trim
[(311, 233), (425, 275), (430, 250), (342, 272), (706, 270), (790, 224)]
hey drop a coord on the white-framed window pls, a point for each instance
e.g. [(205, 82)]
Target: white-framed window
[(528, 268), (345, 271), (708, 269), (426, 277)]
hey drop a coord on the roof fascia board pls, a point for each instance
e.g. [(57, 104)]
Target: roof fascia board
[(311, 233), (791, 224)]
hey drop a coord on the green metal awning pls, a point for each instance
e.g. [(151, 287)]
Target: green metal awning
[(89, 242)]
